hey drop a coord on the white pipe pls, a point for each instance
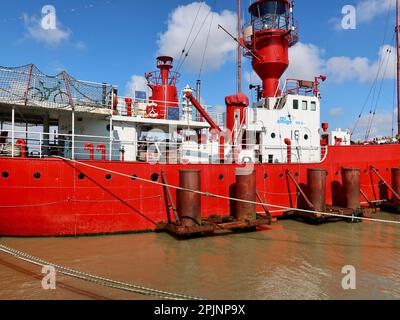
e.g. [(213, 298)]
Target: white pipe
[(73, 136), (12, 132), (111, 137)]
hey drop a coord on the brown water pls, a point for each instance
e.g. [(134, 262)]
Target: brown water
[(290, 260)]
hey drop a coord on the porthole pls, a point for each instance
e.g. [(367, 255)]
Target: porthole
[(365, 172), (155, 177), (133, 177), (273, 135), (265, 176), (37, 175), (108, 176), (306, 137), (221, 177), (296, 174), (387, 169), (81, 176), (5, 174), (337, 173), (281, 176)]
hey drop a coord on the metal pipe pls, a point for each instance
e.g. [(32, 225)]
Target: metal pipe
[(288, 142), (203, 113), (73, 136), (300, 190), (351, 187), (395, 182), (111, 138), (12, 131), (245, 189), (398, 63), (189, 203), (316, 185), (384, 181), (239, 49)]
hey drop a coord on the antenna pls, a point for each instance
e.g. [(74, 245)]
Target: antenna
[(239, 49), (398, 64)]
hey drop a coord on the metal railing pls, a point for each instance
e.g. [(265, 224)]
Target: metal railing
[(27, 85), (91, 147), (155, 109)]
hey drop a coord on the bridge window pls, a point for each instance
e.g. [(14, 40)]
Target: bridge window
[(305, 105), (295, 104), (268, 8), (313, 106)]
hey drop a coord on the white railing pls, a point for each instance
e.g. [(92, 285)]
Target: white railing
[(91, 147)]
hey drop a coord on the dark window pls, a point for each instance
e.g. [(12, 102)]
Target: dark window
[(81, 176), (296, 104), (270, 158), (221, 177), (108, 177), (313, 106), (306, 137), (273, 135), (155, 177), (268, 8), (37, 175), (5, 174), (265, 175)]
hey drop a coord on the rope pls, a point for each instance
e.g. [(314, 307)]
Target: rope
[(206, 47), (195, 39), (73, 200), (389, 52), (374, 84), (133, 288), (207, 194), (190, 33)]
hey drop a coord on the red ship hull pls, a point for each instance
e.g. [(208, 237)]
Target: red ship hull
[(61, 203)]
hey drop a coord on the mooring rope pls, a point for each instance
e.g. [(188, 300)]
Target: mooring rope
[(133, 288), (211, 195)]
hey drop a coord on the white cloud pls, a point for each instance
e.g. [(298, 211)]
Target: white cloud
[(51, 37), (381, 125), (136, 83), (367, 10), (362, 69), (336, 112), (221, 48), (306, 61)]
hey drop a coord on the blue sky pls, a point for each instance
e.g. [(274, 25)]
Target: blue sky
[(113, 40)]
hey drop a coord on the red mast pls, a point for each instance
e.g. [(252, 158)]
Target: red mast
[(398, 64), (239, 53)]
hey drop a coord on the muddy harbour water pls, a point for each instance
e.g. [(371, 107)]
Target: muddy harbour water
[(289, 260)]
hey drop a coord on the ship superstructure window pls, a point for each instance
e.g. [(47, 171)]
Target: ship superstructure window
[(313, 106), (305, 105), (295, 104)]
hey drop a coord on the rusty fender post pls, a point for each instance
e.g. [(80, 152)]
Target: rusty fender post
[(245, 190), (351, 187), (395, 183), (316, 185), (189, 203)]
